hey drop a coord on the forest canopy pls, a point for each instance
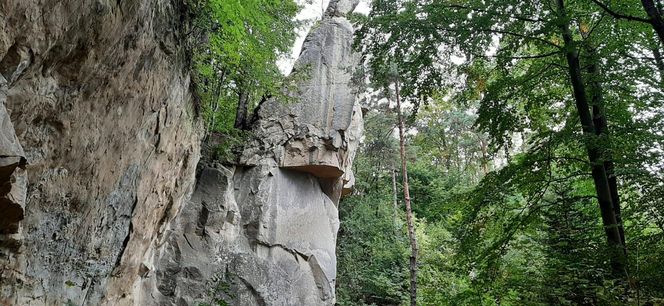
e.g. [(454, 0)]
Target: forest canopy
[(534, 152)]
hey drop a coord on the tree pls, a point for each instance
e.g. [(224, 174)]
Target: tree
[(557, 74), (611, 226), (406, 193), (236, 61)]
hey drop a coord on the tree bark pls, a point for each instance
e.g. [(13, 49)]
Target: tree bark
[(659, 62), (655, 18), (602, 131), (600, 179), (242, 109), (215, 100), (409, 211), (394, 196)]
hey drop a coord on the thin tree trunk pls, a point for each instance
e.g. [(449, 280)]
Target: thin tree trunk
[(394, 195), (611, 228), (409, 211), (216, 94), (448, 157), (242, 109), (655, 18), (602, 130), (659, 62), (485, 155)]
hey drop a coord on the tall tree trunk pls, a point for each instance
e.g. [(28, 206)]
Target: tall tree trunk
[(659, 62), (611, 228), (409, 211), (395, 207), (215, 100), (242, 109), (655, 17), (602, 131)]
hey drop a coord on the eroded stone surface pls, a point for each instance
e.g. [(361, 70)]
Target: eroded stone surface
[(263, 232), (257, 236), (318, 132), (13, 178), (98, 96)]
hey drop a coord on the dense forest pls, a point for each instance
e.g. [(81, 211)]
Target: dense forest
[(512, 151)]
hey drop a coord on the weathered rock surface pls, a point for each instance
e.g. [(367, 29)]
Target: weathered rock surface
[(263, 232), (318, 132), (13, 179), (99, 101), (98, 153), (249, 236)]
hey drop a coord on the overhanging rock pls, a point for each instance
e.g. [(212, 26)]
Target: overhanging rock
[(263, 231), (318, 131)]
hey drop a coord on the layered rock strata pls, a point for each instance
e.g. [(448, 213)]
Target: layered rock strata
[(100, 118), (98, 155)]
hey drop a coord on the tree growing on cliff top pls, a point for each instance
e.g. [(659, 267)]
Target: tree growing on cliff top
[(236, 60)]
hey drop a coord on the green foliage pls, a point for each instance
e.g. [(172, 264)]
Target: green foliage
[(502, 188), (373, 257), (226, 149), (237, 46)]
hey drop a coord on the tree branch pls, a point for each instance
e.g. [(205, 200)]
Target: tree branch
[(521, 36), (619, 16), (520, 57), (517, 17)]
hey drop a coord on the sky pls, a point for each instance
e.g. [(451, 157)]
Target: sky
[(312, 10)]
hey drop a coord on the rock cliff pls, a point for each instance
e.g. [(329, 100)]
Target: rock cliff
[(102, 122), (263, 232), (102, 200)]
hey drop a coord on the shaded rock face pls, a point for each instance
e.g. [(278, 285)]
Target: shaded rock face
[(98, 145), (101, 199), (13, 179), (263, 231)]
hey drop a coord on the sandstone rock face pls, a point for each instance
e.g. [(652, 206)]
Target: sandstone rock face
[(263, 232), (96, 109), (249, 236), (99, 150), (318, 132)]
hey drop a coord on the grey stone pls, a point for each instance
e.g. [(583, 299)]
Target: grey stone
[(102, 122), (317, 131), (280, 250), (270, 222), (13, 178), (102, 125), (340, 8)]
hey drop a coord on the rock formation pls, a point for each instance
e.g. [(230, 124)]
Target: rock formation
[(13, 179), (99, 100), (100, 197), (263, 232)]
